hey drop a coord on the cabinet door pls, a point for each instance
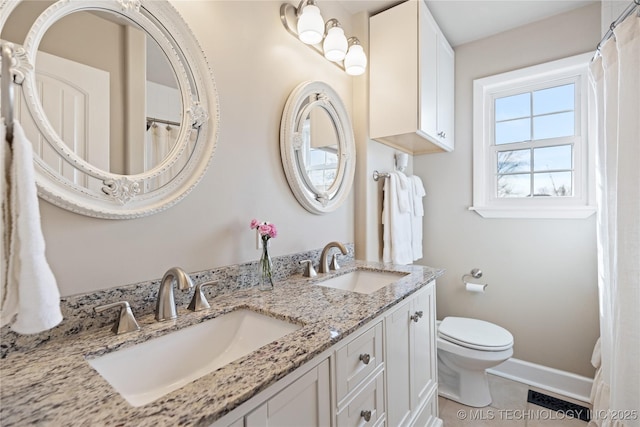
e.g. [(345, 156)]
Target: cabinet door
[(428, 78), (428, 414), (398, 358), (306, 402), (445, 96), (423, 373)]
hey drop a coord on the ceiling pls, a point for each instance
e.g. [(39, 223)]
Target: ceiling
[(463, 21)]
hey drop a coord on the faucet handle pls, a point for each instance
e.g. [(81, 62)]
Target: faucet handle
[(199, 301), (126, 322), (334, 262), (309, 271)]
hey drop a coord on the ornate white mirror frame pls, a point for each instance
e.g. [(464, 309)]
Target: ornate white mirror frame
[(303, 99), (128, 196)]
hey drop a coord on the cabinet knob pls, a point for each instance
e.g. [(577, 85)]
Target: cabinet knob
[(365, 358), (417, 315), (366, 415)]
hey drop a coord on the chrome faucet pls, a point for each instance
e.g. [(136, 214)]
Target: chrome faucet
[(324, 262), (166, 304)]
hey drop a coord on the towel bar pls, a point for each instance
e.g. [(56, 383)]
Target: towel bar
[(377, 175)]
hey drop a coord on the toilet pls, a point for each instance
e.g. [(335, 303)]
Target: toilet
[(466, 349)]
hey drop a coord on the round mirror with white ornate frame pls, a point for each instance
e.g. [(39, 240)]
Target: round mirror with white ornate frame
[(66, 176), (317, 147)]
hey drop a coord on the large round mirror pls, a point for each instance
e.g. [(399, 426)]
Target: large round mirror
[(317, 147), (118, 101)]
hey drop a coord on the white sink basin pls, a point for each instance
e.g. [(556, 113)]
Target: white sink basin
[(148, 371), (362, 281)]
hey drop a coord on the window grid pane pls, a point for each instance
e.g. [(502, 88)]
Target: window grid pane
[(554, 99), (550, 113), (535, 172)]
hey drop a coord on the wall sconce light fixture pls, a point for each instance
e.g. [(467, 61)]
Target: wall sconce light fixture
[(310, 28)]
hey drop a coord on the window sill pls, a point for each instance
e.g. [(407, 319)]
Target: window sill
[(577, 212)]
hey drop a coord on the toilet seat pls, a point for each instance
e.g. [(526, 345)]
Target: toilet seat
[(475, 334)]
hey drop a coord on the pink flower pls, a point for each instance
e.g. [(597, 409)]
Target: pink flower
[(265, 229)]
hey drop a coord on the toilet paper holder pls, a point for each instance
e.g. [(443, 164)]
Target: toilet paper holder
[(476, 273)]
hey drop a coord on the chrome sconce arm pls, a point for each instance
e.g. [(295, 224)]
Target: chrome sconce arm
[(326, 38)]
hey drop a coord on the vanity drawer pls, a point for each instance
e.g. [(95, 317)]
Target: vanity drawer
[(357, 360), (366, 408)]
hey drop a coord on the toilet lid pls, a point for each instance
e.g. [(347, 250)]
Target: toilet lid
[(474, 333)]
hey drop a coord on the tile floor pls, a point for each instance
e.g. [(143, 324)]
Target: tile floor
[(509, 408)]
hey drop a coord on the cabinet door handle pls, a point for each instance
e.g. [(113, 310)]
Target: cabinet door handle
[(365, 358), (366, 415), (442, 134), (417, 316)]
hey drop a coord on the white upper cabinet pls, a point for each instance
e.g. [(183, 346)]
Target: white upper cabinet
[(411, 88)]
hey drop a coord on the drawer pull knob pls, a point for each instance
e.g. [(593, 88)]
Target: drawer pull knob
[(366, 415), (417, 316), (366, 358)]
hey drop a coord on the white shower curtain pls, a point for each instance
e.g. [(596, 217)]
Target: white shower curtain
[(615, 76), (159, 141)]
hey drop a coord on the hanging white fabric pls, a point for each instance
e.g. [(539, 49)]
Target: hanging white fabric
[(159, 141), (29, 295), (615, 77)]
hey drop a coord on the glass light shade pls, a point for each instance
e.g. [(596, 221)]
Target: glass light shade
[(310, 25), (355, 63), (335, 44)]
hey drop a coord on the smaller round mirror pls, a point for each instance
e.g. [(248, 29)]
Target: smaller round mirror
[(317, 147)]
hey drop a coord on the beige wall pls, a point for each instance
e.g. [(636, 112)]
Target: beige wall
[(256, 64), (541, 273)]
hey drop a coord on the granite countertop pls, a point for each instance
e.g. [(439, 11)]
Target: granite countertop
[(54, 385)]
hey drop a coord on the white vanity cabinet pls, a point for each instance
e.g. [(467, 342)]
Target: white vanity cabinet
[(410, 350), (382, 374), (411, 87), (306, 402)]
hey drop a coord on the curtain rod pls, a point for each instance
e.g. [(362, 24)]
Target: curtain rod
[(628, 11), (152, 120)]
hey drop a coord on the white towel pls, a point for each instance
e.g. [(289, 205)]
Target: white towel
[(396, 224), (403, 192), (5, 224), (29, 292), (417, 193)]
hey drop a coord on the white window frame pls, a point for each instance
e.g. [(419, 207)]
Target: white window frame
[(485, 91)]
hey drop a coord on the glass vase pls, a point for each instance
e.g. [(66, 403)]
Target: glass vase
[(265, 268)]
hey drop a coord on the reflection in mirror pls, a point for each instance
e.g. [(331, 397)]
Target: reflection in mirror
[(317, 147), (319, 152), (118, 100), (122, 77)]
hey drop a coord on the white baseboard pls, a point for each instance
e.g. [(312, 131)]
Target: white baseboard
[(550, 379)]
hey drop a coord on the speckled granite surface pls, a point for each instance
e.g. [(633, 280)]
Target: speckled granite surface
[(52, 384), (79, 316)]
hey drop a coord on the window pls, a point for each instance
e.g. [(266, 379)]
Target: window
[(531, 151)]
